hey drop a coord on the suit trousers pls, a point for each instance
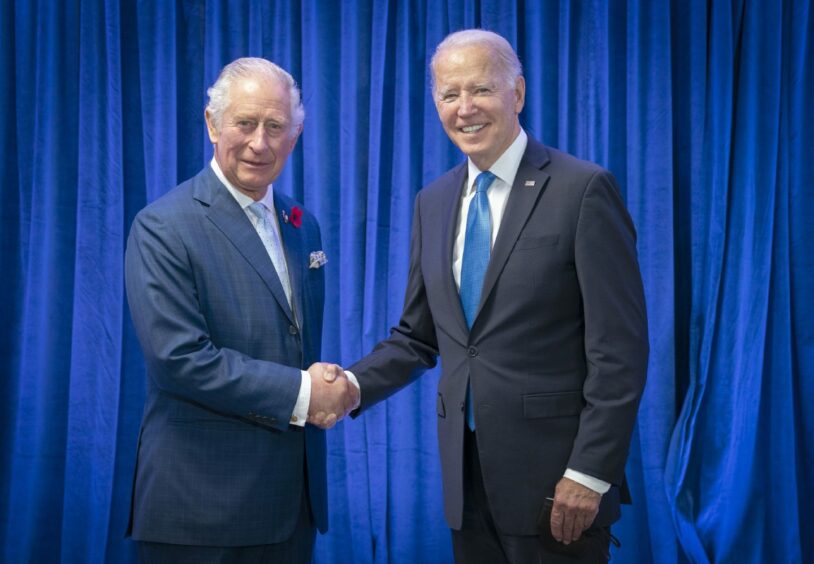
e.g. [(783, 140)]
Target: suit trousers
[(480, 542), (297, 549)]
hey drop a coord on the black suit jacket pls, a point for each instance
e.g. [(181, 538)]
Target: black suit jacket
[(557, 354)]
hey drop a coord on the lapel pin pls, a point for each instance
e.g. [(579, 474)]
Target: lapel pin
[(529, 183)]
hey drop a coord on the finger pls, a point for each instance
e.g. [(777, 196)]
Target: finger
[(329, 374), (317, 418), (556, 524), (578, 527), (589, 517), (567, 527)]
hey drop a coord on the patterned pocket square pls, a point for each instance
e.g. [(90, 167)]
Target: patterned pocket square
[(317, 259)]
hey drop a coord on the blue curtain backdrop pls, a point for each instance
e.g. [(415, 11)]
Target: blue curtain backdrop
[(702, 109)]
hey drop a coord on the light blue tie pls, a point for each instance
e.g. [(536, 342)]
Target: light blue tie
[(477, 247), (274, 247)]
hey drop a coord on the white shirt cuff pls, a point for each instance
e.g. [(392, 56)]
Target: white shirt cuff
[(300, 414), (597, 485), (354, 381)]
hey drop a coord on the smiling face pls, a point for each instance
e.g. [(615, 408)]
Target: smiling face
[(477, 108), (255, 135)]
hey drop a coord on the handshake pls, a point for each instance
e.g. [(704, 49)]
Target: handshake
[(333, 396)]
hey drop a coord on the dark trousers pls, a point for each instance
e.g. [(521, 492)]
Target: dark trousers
[(480, 542), (297, 549)]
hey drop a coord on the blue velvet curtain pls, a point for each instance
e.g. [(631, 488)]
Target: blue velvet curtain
[(702, 109)]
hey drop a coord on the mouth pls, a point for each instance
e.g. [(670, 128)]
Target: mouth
[(469, 129), (253, 164)]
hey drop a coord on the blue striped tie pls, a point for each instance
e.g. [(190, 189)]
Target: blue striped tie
[(477, 248)]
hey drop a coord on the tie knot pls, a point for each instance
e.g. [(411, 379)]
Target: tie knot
[(483, 181), (259, 210)]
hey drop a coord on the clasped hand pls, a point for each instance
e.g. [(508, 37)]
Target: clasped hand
[(333, 396), (574, 509)]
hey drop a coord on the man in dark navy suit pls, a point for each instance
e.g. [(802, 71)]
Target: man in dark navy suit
[(524, 279), (226, 288)]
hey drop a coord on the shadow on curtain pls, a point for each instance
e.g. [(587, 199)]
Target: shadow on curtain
[(701, 109)]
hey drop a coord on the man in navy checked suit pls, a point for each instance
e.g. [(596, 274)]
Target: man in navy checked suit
[(226, 287)]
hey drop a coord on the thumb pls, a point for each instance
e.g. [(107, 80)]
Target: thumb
[(329, 373)]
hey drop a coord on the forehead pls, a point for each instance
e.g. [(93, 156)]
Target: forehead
[(460, 66), (259, 95)]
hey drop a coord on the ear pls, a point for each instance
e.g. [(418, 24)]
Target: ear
[(210, 127), (520, 94)]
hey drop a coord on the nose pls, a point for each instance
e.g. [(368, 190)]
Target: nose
[(259, 140), (466, 104)]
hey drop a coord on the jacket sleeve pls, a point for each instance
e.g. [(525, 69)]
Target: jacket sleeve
[(616, 343), (180, 355), (412, 347)]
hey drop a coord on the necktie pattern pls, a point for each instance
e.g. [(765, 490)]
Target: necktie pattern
[(477, 248), (273, 244)]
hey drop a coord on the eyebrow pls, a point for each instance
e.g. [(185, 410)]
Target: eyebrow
[(441, 91), (249, 117)]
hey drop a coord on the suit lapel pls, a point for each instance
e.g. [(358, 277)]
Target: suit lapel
[(448, 235), (294, 253), (529, 183), (224, 211)]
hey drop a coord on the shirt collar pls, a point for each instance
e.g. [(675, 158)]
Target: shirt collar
[(505, 167), (242, 199)]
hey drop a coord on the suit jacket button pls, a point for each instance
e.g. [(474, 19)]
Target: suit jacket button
[(292, 329), (472, 351)]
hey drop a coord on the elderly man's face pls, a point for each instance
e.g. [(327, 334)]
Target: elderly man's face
[(256, 136), (477, 110)]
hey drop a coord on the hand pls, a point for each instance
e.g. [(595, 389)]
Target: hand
[(332, 395), (331, 373), (573, 511)]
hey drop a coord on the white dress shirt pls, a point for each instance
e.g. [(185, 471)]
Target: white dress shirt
[(504, 169)]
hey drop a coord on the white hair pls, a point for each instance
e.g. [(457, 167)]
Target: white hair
[(508, 65), (252, 67)]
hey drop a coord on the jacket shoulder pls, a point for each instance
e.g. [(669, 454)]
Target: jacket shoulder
[(176, 200), (450, 180), (566, 163)]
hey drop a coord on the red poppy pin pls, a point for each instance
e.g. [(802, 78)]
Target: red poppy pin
[(295, 218)]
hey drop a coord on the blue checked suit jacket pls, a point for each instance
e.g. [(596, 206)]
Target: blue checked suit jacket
[(218, 463)]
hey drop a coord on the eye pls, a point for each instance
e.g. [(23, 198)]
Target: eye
[(483, 91), (273, 127), (246, 124), (449, 96)]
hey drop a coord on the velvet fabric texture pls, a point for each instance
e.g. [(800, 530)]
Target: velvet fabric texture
[(701, 109)]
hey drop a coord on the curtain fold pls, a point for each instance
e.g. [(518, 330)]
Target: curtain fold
[(700, 108)]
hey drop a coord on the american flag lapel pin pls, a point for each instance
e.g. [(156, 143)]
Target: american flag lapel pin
[(529, 184)]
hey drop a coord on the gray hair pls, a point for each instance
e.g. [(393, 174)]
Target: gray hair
[(508, 65), (252, 67)]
